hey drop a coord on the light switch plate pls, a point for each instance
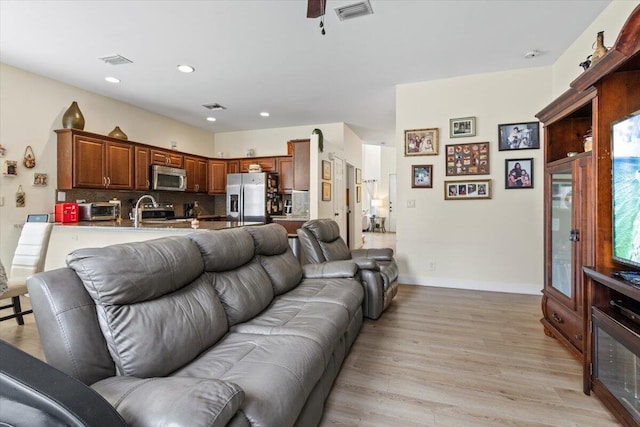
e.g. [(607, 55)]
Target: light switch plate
[(411, 203)]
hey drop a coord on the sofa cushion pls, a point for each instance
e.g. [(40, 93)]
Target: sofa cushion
[(347, 293), (276, 256), (152, 327), (244, 292), (176, 401), (277, 373), (327, 233), (134, 272), (224, 250)]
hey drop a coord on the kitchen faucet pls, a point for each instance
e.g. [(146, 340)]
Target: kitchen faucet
[(136, 212)]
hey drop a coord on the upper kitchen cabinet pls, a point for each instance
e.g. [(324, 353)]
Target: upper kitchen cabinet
[(196, 168), (268, 164), (167, 158), (285, 174), (87, 160), (141, 168), (301, 164), (218, 176), (233, 166)]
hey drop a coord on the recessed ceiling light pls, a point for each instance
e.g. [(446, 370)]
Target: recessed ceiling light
[(532, 54), (211, 119), (264, 114), (112, 79), (186, 68)]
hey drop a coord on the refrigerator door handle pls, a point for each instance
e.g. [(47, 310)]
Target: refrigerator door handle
[(241, 213)]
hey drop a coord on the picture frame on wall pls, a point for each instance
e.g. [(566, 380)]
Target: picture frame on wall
[(421, 142), (467, 190), (358, 194), (519, 136), (462, 127), (518, 174), (326, 170), (468, 159), (358, 176), (326, 191), (40, 179), (421, 176)]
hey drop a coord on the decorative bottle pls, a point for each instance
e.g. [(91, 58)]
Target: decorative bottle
[(600, 50), (118, 133), (73, 118)]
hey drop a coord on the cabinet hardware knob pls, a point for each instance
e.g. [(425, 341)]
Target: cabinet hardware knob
[(557, 318), (578, 337)]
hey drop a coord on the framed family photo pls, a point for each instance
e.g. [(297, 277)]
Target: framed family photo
[(468, 159), (518, 173), (326, 170), (464, 126), (358, 194), (467, 190), (422, 176), (421, 142), (358, 176), (326, 191), (519, 136)]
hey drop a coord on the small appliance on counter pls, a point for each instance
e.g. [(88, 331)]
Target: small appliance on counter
[(66, 212), (97, 211), (160, 211)]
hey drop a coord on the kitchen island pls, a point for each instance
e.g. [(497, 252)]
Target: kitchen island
[(68, 237)]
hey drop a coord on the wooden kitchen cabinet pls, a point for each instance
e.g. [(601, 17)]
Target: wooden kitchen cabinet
[(285, 174), (268, 164), (217, 176), (166, 158), (196, 168), (233, 166), (87, 160), (301, 164), (141, 168)]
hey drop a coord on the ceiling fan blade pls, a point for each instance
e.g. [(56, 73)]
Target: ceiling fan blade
[(316, 8)]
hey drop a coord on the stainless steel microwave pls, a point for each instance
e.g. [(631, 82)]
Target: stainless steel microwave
[(168, 179), (97, 211)]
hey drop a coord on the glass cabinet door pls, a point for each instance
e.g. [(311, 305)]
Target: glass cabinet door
[(561, 232)]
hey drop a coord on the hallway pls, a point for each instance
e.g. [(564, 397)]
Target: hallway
[(379, 240)]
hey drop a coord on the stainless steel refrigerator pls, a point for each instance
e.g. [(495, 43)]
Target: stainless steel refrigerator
[(252, 197)]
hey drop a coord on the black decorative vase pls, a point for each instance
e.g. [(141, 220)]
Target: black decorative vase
[(73, 118)]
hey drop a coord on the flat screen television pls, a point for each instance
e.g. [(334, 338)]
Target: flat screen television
[(625, 172)]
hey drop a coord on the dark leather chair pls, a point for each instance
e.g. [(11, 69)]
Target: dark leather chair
[(320, 241), (35, 394)]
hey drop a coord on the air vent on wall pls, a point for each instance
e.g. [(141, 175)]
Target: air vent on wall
[(354, 10), (116, 60), (214, 106)]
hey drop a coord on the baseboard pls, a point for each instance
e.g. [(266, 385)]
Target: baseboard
[(475, 285)]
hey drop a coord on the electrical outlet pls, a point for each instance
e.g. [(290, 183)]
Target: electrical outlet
[(411, 203), (174, 145), (62, 196)]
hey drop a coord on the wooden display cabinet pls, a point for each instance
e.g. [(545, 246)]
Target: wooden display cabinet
[(609, 90)]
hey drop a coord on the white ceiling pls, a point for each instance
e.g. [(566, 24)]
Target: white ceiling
[(265, 55)]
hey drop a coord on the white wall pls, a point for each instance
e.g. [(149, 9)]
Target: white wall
[(31, 107), (611, 20), (492, 244)]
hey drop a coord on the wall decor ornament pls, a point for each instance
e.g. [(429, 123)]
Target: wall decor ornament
[(326, 191), (421, 176), (29, 160), (467, 190), (600, 49), (461, 127), (518, 173), (73, 118), (20, 197), (10, 168), (320, 138), (3, 151), (421, 142), (118, 133), (40, 179), (519, 136), (326, 170)]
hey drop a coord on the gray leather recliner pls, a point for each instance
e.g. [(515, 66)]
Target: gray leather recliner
[(320, 241)]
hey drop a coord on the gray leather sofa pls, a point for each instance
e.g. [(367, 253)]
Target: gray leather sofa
[(210, 329), (320, 242)]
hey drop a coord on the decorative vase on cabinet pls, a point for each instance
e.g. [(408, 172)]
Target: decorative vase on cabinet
[(73, 118)]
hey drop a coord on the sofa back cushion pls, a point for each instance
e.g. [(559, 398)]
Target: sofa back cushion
[(242, 284), (327, 235), (156, 308), (275, 255)]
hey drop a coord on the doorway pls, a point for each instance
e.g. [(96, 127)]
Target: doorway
[(392, 204)]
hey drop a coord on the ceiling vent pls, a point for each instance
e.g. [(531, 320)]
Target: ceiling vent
[(214, 106), (116, 60), (354, 10)]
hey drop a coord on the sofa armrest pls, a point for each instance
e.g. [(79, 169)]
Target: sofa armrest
[(330, 270), (378, 254), (172, 400), (367, 264)]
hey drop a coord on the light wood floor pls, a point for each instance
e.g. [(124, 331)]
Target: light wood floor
[(445, 357)]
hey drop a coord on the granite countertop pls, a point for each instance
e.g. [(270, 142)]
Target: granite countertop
[(127, 225), (290, 217)]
